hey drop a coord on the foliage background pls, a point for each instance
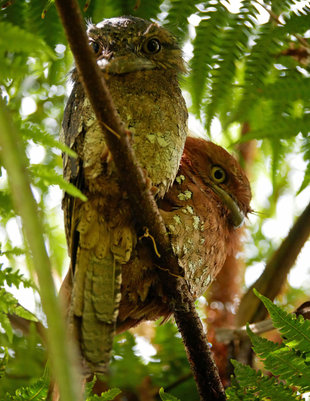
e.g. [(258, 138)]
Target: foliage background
[(248, 81)]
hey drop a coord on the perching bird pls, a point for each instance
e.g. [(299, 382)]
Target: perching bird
[(208, 201), (141, 62)]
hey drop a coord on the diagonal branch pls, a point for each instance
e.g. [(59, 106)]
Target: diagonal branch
[(276, 271), (142, 202)]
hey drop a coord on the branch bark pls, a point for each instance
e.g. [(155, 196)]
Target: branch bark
[(276, 270), (14, 160), (142, 202)]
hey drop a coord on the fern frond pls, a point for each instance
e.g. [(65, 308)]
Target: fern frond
[(48, 176), (283, 127), (253, 385), (167, 397), (205, 47), (257, 68), (15, 39), (297, 23), (32, 131), (15, 13), (9, 304), (282, 361), (148, 9), (178, 14), (234, 43), (278, 6), (37, 391), (43, 27), (306, 150), (288, 88), (108, 395), (294, 330)]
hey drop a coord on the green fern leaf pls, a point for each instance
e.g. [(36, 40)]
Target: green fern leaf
[(4, 359), (282, 361), (176, 20), (36, 392), (234, 43), (306, 150), (278, 6), (294, 330), (257, 68), (42, 27), (254, 384), (288, 88), (15, 39), (167, 397), (285, 127), (33, 131), (15, 12), (297, 23), (43, 173), (147, 9), (108, 395), (205, 47)]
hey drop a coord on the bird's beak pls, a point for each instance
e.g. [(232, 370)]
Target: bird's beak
[(125, 64), (236, 215)]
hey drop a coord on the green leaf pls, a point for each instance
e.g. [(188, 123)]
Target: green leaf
[(282, 361), (254, 384), (44, 173), (294, 330), (167, 397), (108, 395), (34, 132), (205, 47), (35, 392), (16, 39)]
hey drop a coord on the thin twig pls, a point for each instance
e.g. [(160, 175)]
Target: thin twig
[(14, 160), (142, 202)]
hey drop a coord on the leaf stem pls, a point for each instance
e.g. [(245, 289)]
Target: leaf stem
[(14, 159)]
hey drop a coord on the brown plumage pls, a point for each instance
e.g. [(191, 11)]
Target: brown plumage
[(202, 211), (140, 62)]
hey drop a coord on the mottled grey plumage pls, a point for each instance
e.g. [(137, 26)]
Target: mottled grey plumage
[(140, 62)]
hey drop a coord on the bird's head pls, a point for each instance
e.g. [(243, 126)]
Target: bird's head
[(222, 173), (129, 44)]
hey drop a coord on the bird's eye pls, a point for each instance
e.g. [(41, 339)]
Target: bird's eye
[(95, 46), (218, 174), (152, 46)]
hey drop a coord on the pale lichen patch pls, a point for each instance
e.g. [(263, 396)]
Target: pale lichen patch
[(196, 222), (190, 209), (185, 195), (180, 178), (177, 219)]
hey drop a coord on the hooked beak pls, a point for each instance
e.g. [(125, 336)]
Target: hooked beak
[(125, 64), (236, 215)]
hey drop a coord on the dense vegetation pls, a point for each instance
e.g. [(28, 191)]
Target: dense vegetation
[(248, 88)]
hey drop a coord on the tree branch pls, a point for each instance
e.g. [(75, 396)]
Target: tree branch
[(276, 270), (14, 160), (142, 202)]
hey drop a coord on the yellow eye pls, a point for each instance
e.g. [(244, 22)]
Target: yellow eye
[(218, 174)]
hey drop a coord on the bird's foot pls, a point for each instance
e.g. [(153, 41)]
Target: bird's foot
[(154, 190)]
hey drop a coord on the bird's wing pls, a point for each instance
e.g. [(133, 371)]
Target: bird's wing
[(99, 241)]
